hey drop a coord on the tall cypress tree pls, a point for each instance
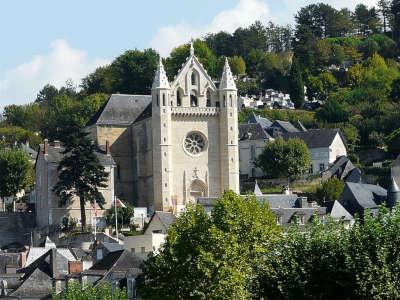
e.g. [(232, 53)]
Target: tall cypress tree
[(296, 84), (80, 174)]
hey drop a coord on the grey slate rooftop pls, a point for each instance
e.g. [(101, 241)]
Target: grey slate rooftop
[(55, 155), (315, 138), (286, 126), (252, 131), (120, 109), (256, 119)]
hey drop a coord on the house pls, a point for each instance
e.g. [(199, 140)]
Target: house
[(160, 222), (288, 208), (118, 268), (339, 213), (252, 139), (144, 244), (101, 249), (344, 170), (177, 144), (49, 212), (279, 128), (325, 146), (357, 197), (47, 272)]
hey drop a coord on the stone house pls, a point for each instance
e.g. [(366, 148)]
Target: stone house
[(49, 212)]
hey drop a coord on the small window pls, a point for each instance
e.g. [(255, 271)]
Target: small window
[(118, 172), (133, 250), (178, 98), (163, 99), (253, 152), (230, 101), (322, 167), (194, 79), (311, 170), (208, 96), (143, 249), (193, 99), (217, 104), (224, 101)]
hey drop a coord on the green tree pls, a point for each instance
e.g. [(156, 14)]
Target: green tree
[(46, 94), (89, 292), (211, 257), (80, 174), (15, 172), (330, 190), (333, 112), (321, 86), (393, 142), (395, 92), (284, 159), (238, 65), (296, 85), (124, 215)]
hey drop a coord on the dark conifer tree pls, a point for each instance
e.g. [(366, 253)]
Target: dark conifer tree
[(296, 84), (80, 174)]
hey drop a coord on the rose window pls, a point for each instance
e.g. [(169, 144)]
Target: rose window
[(194, 143)]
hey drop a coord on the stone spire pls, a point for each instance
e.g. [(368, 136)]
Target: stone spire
[(160, 78), (393, 194), (191, 48), (227, 82)]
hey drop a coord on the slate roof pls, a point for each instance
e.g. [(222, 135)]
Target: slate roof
[(112, 247), (121, 261), (166, 218), (300, 126), (343, 169), (286, 126), (264, 122), (357, 197), (315, 138), (55, 155), (278, 200), (253, 131), (338, 212), (120, 109), (146, 113)]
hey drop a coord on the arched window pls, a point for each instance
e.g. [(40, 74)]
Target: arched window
[(163, 99), (224, 101), (230, 101), (193, 99), (208, 96), (178, 98), (194, 78)]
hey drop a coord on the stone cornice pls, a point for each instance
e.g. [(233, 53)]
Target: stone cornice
[(195, 111)]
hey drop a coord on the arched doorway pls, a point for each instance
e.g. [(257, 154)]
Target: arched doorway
[(197, 189)]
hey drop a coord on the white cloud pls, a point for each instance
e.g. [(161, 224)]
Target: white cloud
[(243, 14), (21, 84)]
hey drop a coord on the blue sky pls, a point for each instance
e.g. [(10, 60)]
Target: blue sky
[(47, 41)]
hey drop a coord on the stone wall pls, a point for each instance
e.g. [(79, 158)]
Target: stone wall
[(16, 228)]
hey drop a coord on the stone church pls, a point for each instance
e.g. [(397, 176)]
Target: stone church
[(175, 145)]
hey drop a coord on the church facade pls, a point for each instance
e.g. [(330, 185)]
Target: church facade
[(179, 144)]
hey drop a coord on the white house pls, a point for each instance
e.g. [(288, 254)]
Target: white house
[(325, 146)]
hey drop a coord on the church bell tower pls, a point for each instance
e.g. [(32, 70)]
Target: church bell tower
[(161, 132)]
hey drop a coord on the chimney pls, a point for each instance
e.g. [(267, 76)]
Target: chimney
[(75, 267), (108, 147), (57, 144), (46, 146), (53, 262)]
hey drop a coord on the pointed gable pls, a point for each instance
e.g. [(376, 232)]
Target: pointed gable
[(183, 78)]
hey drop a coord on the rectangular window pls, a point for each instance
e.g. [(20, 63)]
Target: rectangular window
[(311, 170), (118, 172), (217, 104), (143, 249), (322, 167), (133, 250), (253, 152)]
